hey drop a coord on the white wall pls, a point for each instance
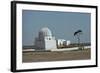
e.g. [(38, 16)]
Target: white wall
[(5, 37), (50, 44)]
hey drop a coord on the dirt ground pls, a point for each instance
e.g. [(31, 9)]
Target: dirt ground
[(56, 56)]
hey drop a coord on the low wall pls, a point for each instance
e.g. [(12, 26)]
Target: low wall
[(69, 49), (60, 49)]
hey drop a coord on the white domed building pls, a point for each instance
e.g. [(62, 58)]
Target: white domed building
[(45, 40)]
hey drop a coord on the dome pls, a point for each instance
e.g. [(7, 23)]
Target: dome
[(45, 32)]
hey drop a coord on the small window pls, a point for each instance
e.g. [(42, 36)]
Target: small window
[(49, 38)]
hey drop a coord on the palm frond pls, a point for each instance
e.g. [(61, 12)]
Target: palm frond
[(78, 31)]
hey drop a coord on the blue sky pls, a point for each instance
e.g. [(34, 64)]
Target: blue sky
[(62, 24)]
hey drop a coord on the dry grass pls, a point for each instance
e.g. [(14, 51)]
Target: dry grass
[(56, 56)]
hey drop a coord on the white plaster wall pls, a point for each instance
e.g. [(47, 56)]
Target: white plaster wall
[(50, 44), (61, 42), (68, 42)]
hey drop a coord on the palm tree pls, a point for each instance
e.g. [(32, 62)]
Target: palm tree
[(78, 33)]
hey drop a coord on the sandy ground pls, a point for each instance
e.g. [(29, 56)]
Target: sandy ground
[(56, 56)]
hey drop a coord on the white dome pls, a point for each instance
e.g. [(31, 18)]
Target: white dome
[(45, 32)]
